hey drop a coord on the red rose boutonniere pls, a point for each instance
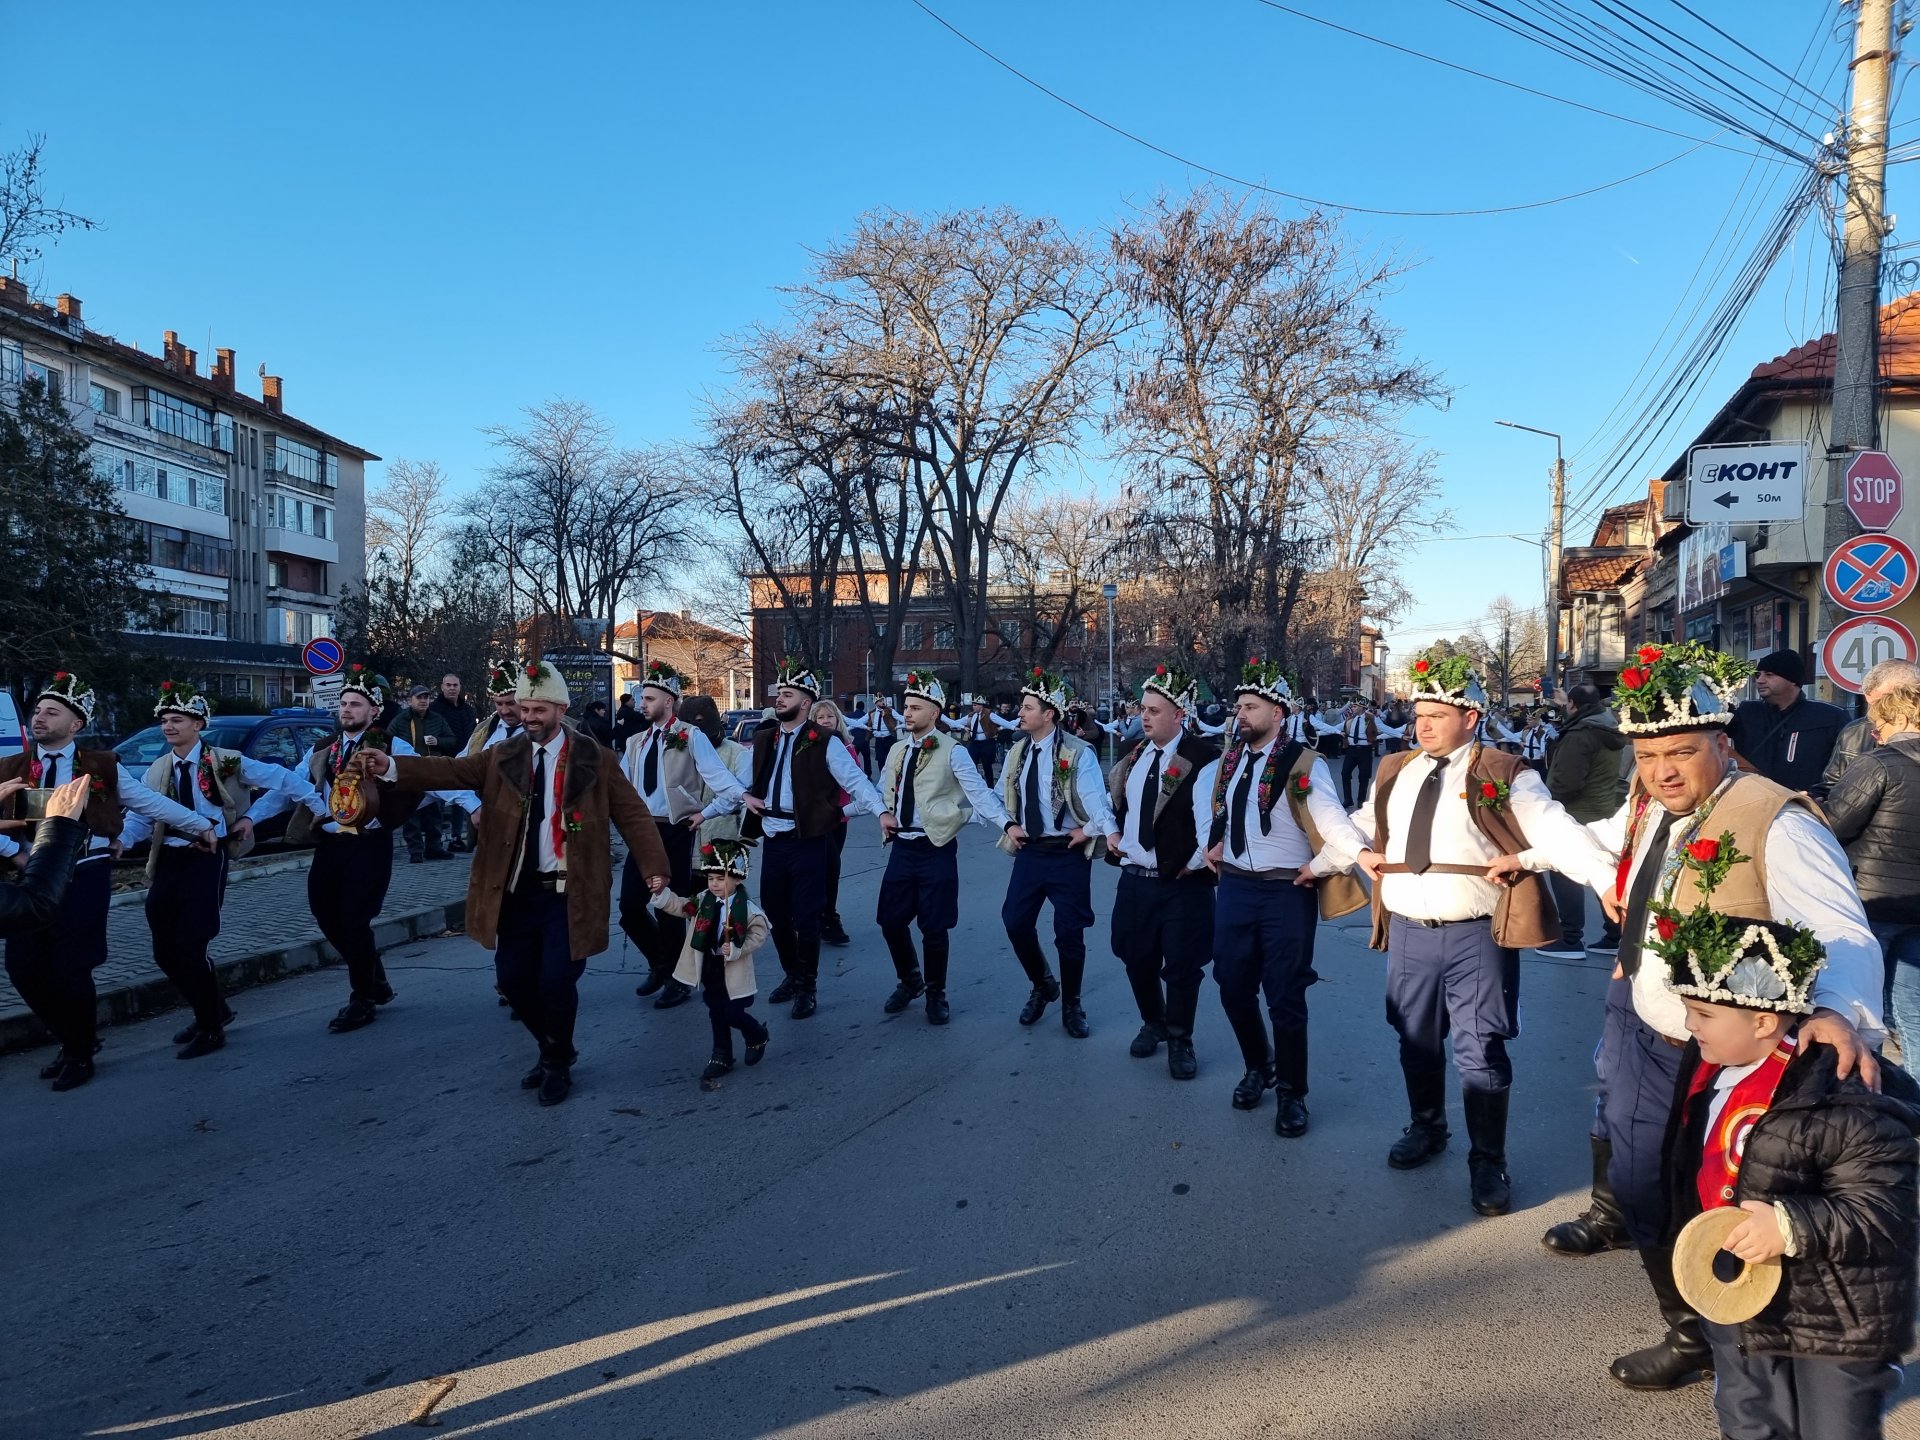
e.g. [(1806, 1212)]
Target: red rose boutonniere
[(1170, 778), (808, 736), (1704, 850), (1493, 794), (929, 744), (575, 822), (1063, 766), (1302, 786), (676, 738)]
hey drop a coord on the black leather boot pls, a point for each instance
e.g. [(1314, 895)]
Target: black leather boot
[(1486, 1111), (1290, 1083), (1601, 1227), (911, 987), (1683, 1356), (1426, 1137)]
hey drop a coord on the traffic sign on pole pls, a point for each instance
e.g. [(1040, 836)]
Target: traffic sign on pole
[(1874, 490), (1746, 484), (1870, 573), (323, 656), (1859, 643)]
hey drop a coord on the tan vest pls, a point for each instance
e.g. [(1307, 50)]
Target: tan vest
[(721, 827), (1746, 811), (1070, 748), (229, 793), (679, 775), (1338, 894), (939, 804)]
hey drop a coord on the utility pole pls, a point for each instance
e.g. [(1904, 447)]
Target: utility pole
[(1856, 370), (1556, 539)]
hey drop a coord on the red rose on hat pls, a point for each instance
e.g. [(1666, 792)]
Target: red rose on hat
[(1633, 677), (1665, 928), (62, 675), (1420, 667), (166, 686), (1705, 851), (1159, 669)]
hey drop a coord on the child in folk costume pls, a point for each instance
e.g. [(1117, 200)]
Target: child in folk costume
[(718, 952), (1824, 1168)]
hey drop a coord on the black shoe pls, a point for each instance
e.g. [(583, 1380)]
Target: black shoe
[(757, 1050), (674, 994), (1253, 1084), (356, 1015), (1290, 1121), (556, 1085), (1425, 1138), (1073, 1019), (804, 1004), (414, 857), (1044, 994), (204, 1042), (502, 999), (458, 847), (1182, 1063), (1491, 1189), (833, 932), (54, 1066), (784, 991), (655, 979), (183, 1036), (716, 1067), (939, 1012), (73, 1074), (1600, 1226), (1148, 1040), (384, 994), (1486, 1111), (1666, 1366), (535, 1077), (911, 987)]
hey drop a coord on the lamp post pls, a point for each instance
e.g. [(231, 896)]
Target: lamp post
[(1111, 592), (1557, 514)]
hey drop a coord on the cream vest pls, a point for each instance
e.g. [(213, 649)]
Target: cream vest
[(679, 776), (722, 827), (1066, 796), (229, 793), (939, 804)]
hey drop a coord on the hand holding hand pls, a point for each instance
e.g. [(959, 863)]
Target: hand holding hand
[(1610, 903), (1215, 855), (206, 840), (755, 804), (656, 883), (889, 825), (1306, 879), (1077, 835), (694, 821), (1757, 1238)]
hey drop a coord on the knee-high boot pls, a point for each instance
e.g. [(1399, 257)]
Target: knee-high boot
[(1684, 1355)]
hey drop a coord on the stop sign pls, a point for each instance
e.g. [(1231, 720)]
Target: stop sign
[(1873, 490)]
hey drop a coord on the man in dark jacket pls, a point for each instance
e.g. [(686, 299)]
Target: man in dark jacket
[(627, 722), (453, 707), (1586, 775), (423, 727), (1783, 735), (46, 869)]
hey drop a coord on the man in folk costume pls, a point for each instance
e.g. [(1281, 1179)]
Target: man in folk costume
[(1061, 816), (52, 965), (1439, 818), (353, 859), (543, 870), (1689, 800), (667, 761), (884, 726), (1163, 909), (504, 722), (793, 804), (186, 882), (981, 735), (1274, 886), (933, 789)]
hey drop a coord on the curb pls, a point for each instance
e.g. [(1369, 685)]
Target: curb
[(243, 972)]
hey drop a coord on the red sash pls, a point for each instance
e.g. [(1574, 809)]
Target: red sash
[(1726, 1143)]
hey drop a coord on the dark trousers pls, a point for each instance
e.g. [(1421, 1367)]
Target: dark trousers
[(654, 933), (725, 1013), (1570, 899), (1453, 980), (534, 967), (1061, 877), (982, 753), (1263, 944), (793, 880), (52, 965), (836, 847), (426, 829), (1357, 761), (183, 912), (881, 745), (346, 887), (1761, 1397), (1163, 934), (922, 884), (1642, 1073)]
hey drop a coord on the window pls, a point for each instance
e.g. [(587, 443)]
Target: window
[(1010, 632), (48, 377), (277, 745), (13, 363), (170, 481), (304, 517), (223, 433), (206, 619), (170, 415), (291, 458), (104, 399), (184, 550), (912, 635), (332, 475), (942, 637)]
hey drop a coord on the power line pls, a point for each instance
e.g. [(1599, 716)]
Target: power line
[(1790, 79), (1255, 185)]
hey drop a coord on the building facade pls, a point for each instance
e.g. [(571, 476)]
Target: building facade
[(254, 522), (711, 661)]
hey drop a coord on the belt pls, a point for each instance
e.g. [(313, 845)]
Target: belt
[(1442, 924), (1261, 877), (1398, 867), (1048, 842), (1143, 872), (548, 880)]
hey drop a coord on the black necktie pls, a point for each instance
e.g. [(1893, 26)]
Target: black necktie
[(1030, 804), (50, 771), (1237, 807), (1143, 817), (650, 771), (346, 752), (1420, 832), (1633, 928), (536, 815), (905, 813), (183, 783)]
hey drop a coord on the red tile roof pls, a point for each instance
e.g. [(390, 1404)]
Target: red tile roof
[(1899, 350), (1596, 572)]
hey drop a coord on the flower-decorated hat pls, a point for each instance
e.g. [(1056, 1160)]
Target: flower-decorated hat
[(661, 676), (1733, 959), (1449, 679), (725, 857), (66, 687), (1266, 679), (178, 697), (1049, 689), (926, 685), (357, 679), (500, 679), (1683, 686), (1182, 687), (795, 676), (538, 680)]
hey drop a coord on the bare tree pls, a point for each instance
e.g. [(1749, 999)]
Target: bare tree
[(1052, 555), (26, 215), (407, 519)]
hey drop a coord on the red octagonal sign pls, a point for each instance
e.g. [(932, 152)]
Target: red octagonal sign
[(1874, 490)]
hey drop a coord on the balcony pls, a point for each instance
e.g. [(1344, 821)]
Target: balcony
[(296, 542)]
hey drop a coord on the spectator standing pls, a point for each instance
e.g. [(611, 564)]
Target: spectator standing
[(422, 727), (1857, 738), (453, 708), (597, 724), (1585, 775), (627, 722), (1783, 735)]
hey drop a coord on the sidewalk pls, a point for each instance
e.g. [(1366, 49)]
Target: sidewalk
[(266, 932)]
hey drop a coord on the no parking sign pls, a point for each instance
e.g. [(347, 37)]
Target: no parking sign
[(1870, 573)]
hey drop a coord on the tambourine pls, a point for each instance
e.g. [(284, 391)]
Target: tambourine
[(352, 802)]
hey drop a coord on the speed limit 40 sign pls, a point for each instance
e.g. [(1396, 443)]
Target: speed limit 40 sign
[(1856, 645)]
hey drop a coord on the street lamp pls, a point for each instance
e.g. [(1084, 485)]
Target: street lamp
[(1111, 592), (1549, 677)]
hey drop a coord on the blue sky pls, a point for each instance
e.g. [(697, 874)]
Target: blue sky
[(427, 216)]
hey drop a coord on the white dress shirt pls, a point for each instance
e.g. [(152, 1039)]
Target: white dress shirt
[(726, 787), (135, 799), (987, 809), (1808, 880), (1286, 846), (1556, 841), (1088, 787), (280, 789), (840, 762), (551, 859), (1131, 851), (1002, 721)]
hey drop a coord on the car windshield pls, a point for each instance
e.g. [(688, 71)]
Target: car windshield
[(142, 748)]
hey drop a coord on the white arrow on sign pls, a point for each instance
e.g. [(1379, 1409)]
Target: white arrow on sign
[(1746, 484)]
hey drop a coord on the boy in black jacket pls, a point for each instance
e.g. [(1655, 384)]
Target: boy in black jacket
[(1825, 1169)]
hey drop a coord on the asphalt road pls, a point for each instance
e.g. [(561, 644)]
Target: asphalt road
[(885, 1230)]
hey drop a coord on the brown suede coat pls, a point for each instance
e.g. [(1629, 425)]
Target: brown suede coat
[(595, 788)]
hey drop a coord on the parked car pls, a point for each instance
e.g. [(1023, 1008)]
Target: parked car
[(12, 737), (742, 730), (282, 738)]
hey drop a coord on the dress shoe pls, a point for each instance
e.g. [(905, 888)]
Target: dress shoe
[(757, 1050), (911, 987), (1253, 1084), (833, 932), (1182, 1063), (1666, 1366), (501, 998), (384, 994), (414, 857), (784, 991), (939, 1012), (458, 847), (535, 1077), (804, 1004), (54, 1066), (1148, 1040), (73, 1074), (655, 979), (673, 994), (716, 1067), (1073, 1019), (439, 855), (555, 1087), (184, 1035), (1044, 994), (355, 1015), (1491, 1190), (204, 1042), (1290, 1118), (1425, 1138)]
